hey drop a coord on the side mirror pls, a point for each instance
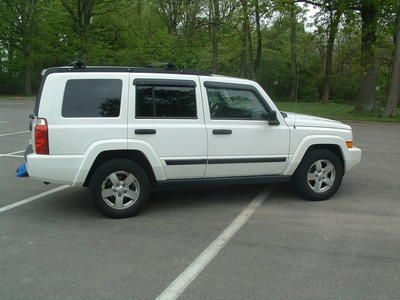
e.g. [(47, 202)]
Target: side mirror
[(273, 118)]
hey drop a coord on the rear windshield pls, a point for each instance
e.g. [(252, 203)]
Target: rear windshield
[(92, 98), (37, 102)]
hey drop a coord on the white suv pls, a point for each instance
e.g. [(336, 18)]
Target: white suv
[(122, 131)]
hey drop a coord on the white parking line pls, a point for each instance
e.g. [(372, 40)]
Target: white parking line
[(15, 152), (33, 198), (12, 133), (178, 286), (2, 122), (12, 154)]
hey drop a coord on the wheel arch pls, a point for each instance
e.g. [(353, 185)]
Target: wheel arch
[(336, 145), (134, 155), (334, 148)]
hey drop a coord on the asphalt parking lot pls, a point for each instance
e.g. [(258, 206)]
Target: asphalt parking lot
[(59, 247)]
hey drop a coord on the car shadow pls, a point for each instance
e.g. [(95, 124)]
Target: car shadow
[(75, 202), (200, 197)]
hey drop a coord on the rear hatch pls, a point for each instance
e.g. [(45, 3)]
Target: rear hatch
[(33, 117)]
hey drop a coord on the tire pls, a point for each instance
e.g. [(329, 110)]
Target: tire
[(119, 188), (319, 175)]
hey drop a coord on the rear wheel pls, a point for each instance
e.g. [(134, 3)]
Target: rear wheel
[(319, 175), (119, 188)]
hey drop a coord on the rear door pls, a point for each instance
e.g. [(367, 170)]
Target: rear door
[(165, 111)]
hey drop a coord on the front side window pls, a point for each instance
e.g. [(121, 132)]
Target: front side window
[(91, 98), (165, 102), (228, 103)]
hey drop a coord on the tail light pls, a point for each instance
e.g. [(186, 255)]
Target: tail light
[(41, 136)]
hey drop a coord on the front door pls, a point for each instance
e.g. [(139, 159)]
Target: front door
[(240, 140)]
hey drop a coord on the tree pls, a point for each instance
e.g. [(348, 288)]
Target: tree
[(81, 13), (248, 56), (267, 41), (252, 10), (394, 92), (257, 62), (172, 13), (17, 27), (369, 20), (293, 51), (215, 28), (191, 20), (331, 11), (334, 19)]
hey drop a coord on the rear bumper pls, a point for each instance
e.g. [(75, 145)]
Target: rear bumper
[(53, 168), (354, 158), (28, 150)]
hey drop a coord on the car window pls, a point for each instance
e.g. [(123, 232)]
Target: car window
[(89, 98), (165, 102), (226, 103)]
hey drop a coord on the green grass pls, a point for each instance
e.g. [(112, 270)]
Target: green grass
[(334, 111)]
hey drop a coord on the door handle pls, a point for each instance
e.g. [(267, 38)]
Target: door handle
[(222, 131), (145, 131)]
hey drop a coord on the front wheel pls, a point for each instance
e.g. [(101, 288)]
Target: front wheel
[(319, 175), (119, 188)]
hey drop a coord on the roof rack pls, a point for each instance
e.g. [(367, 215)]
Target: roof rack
[(166, 66), (79, 66)]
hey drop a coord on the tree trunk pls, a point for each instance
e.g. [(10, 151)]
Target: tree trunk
[(82, 15), (10, 57), (366, 101), (394, 92), (86, 15), (293, 53), (257, 62), (243, 61), (27, 27), (83, 51), (249, 45), (215, 24), (27, 68), (139, 7), (333, 28)]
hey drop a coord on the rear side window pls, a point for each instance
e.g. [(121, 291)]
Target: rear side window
[(92, 98), (163, 101)]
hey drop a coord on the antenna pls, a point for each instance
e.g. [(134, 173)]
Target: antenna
[(296, 98)]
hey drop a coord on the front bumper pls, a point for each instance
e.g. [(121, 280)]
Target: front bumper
[(354, 158)]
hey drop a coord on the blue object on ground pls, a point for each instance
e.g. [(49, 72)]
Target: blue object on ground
[(22, 171)]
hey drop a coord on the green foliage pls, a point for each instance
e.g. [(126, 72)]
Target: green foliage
[(140, 33), (344, 112)]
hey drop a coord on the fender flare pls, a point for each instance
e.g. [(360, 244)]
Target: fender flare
[(96, 148), (308, 141)]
